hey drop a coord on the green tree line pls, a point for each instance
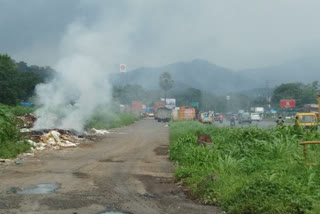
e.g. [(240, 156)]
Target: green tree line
[(302, 93), (18, 80)]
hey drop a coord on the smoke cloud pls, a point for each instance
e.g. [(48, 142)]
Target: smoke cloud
[(87, 55)]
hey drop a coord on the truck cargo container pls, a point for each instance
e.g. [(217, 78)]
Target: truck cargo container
[(136, 108), (311, 108), (175, 114), (187, 113), (156, 106), (163, 114)]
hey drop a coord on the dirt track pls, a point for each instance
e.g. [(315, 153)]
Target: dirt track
[(127, 171)]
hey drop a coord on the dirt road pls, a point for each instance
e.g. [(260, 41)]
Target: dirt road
[(127, 171)]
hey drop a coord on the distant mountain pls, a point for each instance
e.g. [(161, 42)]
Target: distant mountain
[(199, 74), (304, 70)]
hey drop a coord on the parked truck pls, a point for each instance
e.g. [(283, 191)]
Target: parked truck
[(163, 114), (186, 113), (259, 110), (155, 109), (311, 108), (136, 108)]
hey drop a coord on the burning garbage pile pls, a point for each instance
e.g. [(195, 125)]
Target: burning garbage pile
[(53, 138)]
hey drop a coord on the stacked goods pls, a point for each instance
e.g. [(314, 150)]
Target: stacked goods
[(187, 113), (175, 115)]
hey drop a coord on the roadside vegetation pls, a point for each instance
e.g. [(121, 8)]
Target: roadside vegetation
[(248, 170), (105, 119), (12, 141)]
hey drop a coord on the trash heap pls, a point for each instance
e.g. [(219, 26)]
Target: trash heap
[(26, 121), (53, 139)]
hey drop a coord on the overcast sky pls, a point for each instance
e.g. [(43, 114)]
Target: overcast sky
[(236, 33)]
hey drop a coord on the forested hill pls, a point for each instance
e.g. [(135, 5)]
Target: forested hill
[(197, 74), (206, 76)]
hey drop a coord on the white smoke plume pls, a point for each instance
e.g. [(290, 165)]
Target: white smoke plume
[(87, 55)]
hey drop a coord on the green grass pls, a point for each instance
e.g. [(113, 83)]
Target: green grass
[(16, 110), (104, 119), (12, 141), (248, 170)]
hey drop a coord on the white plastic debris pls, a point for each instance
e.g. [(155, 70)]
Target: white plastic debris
[(67, 144), (25, 130), (28, 154), (94, 131), (56, 139), (43, 144), (40, 148), (32, 143), (56, 136), (52, 141)]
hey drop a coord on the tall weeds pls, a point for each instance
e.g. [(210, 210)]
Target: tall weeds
[(11, 140), (248, 170)]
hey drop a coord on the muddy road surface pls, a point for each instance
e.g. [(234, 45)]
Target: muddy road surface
[(126, 171)]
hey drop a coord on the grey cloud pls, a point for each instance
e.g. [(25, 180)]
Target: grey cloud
[(236, 34)]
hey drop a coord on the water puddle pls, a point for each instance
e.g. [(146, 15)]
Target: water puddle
[(34, 190)]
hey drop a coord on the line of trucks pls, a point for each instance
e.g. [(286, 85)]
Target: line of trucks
[(165, 114), (309, 117)]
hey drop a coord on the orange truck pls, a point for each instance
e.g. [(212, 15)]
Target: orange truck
[(136, 108), (186, 113)]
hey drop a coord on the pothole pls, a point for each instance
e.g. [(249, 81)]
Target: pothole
[(36, 189), (162, 150), (147, 195), (80, 175), (111, 160), (114, 212)]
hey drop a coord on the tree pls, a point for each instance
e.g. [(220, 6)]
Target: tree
[(166, 83), (310, 92), (288, 91), (128, 93), (303, 94), (18, 80), (187, 96), (27, 83), (8, 80)]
